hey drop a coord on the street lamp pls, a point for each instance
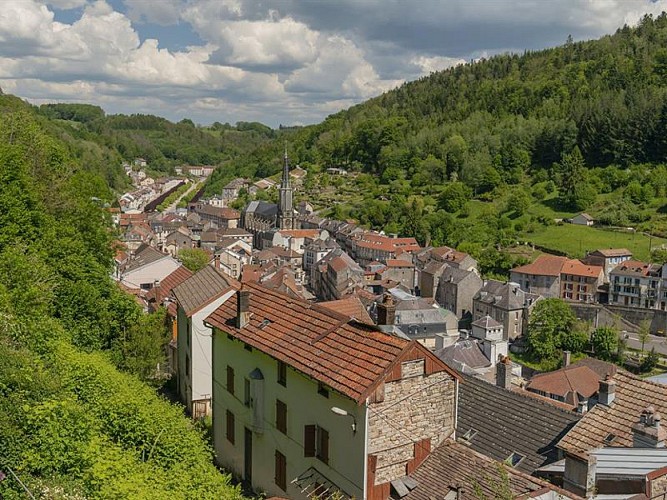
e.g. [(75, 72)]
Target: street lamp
[(343, 413)]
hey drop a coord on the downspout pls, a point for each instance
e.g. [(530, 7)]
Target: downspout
[(366, 433), (456, 407)]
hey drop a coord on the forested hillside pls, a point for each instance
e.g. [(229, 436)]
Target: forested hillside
[(492, 152), (72, 425)]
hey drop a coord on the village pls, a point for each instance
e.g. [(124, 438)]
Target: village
[(340, 362)]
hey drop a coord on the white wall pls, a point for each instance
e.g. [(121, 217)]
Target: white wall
[(157, 270), (304, 407)]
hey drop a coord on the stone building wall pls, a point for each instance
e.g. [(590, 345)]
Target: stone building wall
[(415, 409)]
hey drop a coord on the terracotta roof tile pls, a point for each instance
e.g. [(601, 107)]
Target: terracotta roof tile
[(347, 356), (613, 252), (452, 464), (633, 395), (544, 265), (159, 293), (300, 233), (352, 307), (578, 268), (399, 263)]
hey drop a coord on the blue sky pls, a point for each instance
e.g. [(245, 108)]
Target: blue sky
[(274, 61)]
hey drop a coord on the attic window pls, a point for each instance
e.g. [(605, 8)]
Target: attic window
[(469, 435), (514, 459), (609, 439), (264, 324)]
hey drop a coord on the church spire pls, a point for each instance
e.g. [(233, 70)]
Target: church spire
[(285, 218)]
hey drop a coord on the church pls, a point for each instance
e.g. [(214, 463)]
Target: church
[(260, 217)]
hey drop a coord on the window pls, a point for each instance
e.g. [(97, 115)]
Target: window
[(281, 471), (281, 416), (230, 427), (322, 390), (609, 439), (467, 437), (230, 380), (282, 373), (316, 443), (246, 393), (514, 459)]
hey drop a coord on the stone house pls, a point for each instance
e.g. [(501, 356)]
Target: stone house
[(489, 334), (145, 267), (636, 284), (456, 290), (369, 247), (607, 258), (315, 251), (297, 413), (400, 271), (336, 276), (232, 189), (580, 282), (623, 428), (222, 217), (197, 297), (506, 303), (541, 276)]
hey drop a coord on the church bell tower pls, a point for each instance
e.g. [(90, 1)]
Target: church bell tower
[(286, 202)]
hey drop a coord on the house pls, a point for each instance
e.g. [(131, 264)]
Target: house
[(336, 276), (309, 402), (371, 246), (580, 282), (263, 184), (315, 251), (635, 284), (233, 188), (509, 425), (489, 334), (623, 428), (576, 384), (351, 306), (415, 318), (400, 271), (465, 356), (542, 276), (197, 297), (454, 258), (583, 219), (456, 290), (295, 239), (506, 303), (179, 240), (145, 267), (285, 281), (608, 258), (454, 471), (222, 217), (160, 294)]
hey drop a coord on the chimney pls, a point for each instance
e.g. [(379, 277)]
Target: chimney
[(566, 358), (607, 391), (504, 373), (156, 284), (242, 308), (648, 433), (582, 406), (386, 310)]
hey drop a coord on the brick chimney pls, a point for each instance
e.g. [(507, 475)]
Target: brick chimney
[(504, 373), (567, 356), (607, 391), (386, 310), (242, 308), (648, 433)]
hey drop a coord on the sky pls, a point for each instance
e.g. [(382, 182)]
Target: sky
[(289, 62)]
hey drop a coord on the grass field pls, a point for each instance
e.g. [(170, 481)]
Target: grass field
[(577, 240)]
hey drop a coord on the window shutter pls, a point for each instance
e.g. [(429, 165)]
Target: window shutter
[(324, 446), (309, 441), (230, 427), (281, 416), (230, 379), (281, 471)]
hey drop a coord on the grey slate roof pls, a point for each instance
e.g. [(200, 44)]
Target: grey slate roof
[(454, 275), (262, 208), (486, 322), (463, 354), (199, 290), (507, 421), (504, 295), (143, 256)]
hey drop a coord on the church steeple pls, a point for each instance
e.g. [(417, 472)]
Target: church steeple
[(286, 205)]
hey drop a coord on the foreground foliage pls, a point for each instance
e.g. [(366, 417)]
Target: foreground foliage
[(71, 424)]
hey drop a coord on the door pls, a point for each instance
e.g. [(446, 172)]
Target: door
[(247, 458)]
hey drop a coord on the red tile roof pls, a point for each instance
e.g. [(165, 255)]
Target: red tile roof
[(300, 233), (578, 268), (347, 356), (567, 381), (633, 395), (613, 252), (544, 265), (387, 243), (352, 307), (159, 293), (250, 272), (633, 267), (399, 263)]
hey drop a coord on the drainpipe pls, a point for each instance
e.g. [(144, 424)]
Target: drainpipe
[(367, 411)]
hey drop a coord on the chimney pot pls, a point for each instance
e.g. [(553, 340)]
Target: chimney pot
[(243, 308)]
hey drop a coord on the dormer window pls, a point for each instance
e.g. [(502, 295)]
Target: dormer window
[(467, 437), (514, 459)]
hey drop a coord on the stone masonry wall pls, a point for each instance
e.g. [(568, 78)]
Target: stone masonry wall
[(416, 407)]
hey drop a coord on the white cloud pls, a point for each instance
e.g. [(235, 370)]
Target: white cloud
[(162, 12), (436, 63)]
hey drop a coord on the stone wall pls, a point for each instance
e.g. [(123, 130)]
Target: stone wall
[(414, 409), (631, 316)]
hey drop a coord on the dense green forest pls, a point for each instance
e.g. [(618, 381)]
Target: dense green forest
[(76, 418)]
